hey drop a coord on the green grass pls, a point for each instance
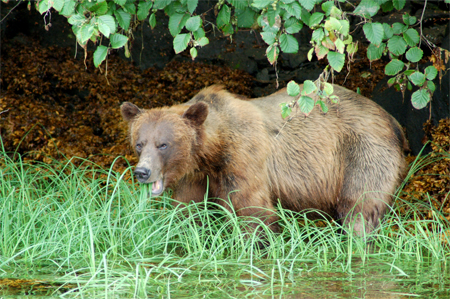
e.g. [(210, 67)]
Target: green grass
[(89, 234)]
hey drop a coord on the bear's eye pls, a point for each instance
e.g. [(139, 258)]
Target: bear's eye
[(162, 146), (138, 147)]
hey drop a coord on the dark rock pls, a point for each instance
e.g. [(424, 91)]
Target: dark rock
[(263, 75)]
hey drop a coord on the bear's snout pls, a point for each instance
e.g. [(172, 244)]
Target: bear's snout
[(142, 174)]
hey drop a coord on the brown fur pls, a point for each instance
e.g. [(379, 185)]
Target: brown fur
[(345, 162)]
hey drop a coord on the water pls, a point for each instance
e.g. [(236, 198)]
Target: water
[(374, 279)]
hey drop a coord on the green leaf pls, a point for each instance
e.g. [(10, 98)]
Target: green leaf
[(397, 45), (352, 48), (68, 8), (193, 52), (123, 18), (130, 8), (399, 28), (285, 110), (334, 98), (228, 30), (420, 98), (180, 42), (308, 87), (340, 46), (414, 54), (387, 6), (86, 32), (223, 18), (315, 19), (288, 43), (321, 51), (345, 26), (431, 86), (293, 26), (143, 9), (239, 4), (274, 18), (58, 5), (318, 35), (399, 4), (45, 5), (77, 20), (393, 67), (268, 37), (152, 20), (175, 7), (310, 53), (336, 12), (430, 72), (411, 37), (417, 78), (294, 9), (118, 40), (293, 89), (199, 33), (328, 88), (100, 55), (272, 53), (367, 8), (193, 23), (176, 23), (103, 28), (374, 52), (305, 16), (374, 32), (100, 8), (392, 81), (326, 7), (203, 41), (120, 2), (160, 4), (408, 20), (192, 5), (306, 104), (108, 21), (308, 4), (322, 105), (245, 18), (336, 60), (388, 32), (261, 3), (332, 24)]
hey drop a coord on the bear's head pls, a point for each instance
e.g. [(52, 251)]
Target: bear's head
[(165, 139)]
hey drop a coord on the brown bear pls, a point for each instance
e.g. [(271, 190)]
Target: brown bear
[(347, 162)]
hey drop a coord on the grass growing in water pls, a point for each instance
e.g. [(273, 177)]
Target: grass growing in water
[(90, 234)]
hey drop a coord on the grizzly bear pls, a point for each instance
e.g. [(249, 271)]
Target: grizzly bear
[(346, 162)]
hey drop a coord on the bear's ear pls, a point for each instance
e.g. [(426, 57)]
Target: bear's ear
[(129, 111), (197, 113)]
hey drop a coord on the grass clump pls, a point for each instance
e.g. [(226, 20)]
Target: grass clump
[(89, 233)]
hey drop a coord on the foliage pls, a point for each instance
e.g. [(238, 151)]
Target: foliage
[(278, 21)]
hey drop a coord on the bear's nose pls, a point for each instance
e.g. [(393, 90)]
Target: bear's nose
[(142, 173)]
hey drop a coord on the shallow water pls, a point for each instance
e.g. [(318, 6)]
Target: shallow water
[(375, 279)]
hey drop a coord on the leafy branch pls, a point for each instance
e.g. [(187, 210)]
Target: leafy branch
[(277, 20)]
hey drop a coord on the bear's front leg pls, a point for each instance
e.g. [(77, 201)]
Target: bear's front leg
[(249, 199)]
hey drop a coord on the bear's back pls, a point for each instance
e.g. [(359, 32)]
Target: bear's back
[(309, 152)]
